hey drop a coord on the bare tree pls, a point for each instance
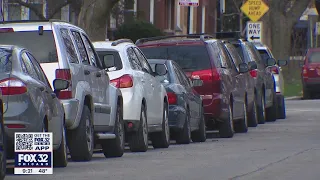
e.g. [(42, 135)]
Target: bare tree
[(278, 24), (94, 17)]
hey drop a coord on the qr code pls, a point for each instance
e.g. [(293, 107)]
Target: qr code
[(24, 142), (42, 141)]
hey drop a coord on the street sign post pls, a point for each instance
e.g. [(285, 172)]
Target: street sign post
[(254, 31), (254, 9), (194, 3)]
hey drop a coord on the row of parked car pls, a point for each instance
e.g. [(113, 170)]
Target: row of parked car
[(104, 94)]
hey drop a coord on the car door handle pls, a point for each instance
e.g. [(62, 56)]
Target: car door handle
[(142, 80), (86, 72), (98, 74), (41, 88), (152, 85)]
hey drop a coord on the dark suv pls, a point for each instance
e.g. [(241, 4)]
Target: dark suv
[(205, 58), (265, 89)]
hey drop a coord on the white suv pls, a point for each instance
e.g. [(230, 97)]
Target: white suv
[(93, 108), (145, 103)]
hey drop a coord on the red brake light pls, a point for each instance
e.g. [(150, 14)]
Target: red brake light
[(66, 75), (305, 72), (125, 81), (172, 98), (6, 30), (12, 86), (206, 75), (15, 126), (274, 70), (254, 73)]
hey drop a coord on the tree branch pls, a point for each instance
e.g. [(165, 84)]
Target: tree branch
[(31, 7), (297, 9), (58, 8)]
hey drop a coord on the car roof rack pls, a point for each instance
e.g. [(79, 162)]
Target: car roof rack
[(30, 21), (202, 37), (230, 36), (119, 41)]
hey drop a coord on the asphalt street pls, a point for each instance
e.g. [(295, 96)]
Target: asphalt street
[(286, 149)]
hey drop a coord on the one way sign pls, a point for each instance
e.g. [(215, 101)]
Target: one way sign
[(254, 31)]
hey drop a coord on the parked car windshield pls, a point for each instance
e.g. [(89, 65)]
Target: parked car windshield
[(189, 58), (5, 60), (314, 57), (111, 59), (162, 79), (41, 46)]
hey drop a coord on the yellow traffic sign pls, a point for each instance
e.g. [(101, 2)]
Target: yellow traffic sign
[(254, 9)]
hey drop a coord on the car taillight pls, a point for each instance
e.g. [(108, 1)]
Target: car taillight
[(125, 81), (66, 75), (274, 70), (172, 98), (305, 72), (15, 126), (6, 30), (206, 75), (254, 73), (12, 86)]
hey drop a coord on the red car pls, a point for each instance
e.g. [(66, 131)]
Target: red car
[(310, 74), (205, 58)]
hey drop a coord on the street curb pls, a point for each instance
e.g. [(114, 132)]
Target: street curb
[(293, 98)]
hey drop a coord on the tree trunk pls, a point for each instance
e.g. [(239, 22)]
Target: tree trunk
[(93, 18)]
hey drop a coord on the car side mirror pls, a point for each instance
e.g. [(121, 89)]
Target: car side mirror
[(271, 62), (243, 68), (252, 65), (197, 82), (60, 84), (161, 69), (108, 61), (282, 62)]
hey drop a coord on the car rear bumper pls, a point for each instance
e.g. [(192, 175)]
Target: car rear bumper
[(71, 109), (177, 117), (312, 84)]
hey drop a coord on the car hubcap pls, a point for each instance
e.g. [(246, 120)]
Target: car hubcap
[(231, 118), (89, 134), (166, 126), (145, 128)]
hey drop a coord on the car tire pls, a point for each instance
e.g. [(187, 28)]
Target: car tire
[(242, 124), (184, 135), (271, 112), (115, 147), (138, 141), (281, 114), (162, 139), (3, 142), (226, 129), (306, 94), (60, 155), (81, 140), (261, 109), (200, 135), (253, 115)]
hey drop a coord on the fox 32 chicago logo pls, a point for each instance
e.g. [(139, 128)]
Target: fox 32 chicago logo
[(33, 160)]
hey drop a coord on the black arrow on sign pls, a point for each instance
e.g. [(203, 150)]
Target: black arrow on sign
[(253, 38)]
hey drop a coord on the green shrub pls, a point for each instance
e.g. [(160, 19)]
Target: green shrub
[(137, 29)]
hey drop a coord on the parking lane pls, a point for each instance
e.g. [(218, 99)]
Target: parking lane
[(266, 151)]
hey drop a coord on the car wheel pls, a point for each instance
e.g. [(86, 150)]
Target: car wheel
[(81, 140), (115, 147), (226, 129), (261, 110), (138, 141), (306, 94), (162, 139), (184, 135), (3, 154), (242, 125), (253, 115), (271, 112), (200, 135), (281, 114), (60, 156)]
